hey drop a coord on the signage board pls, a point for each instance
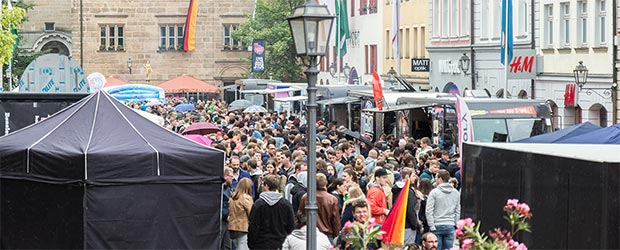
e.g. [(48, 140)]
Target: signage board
[(420, 65), (53, 73), (523, 65)]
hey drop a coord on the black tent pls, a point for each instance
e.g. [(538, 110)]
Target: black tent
[(98, 175)]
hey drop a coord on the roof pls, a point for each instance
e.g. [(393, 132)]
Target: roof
[(111, 81), (186, 84), (590, 152)]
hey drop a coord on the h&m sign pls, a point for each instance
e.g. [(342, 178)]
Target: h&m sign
[(420, 65), (523, 65)]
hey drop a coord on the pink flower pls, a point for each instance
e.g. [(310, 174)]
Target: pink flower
[(523, 209), (511, 204), (348, 225), (467, 243), (467, 222), (459, 233), (521, 247)]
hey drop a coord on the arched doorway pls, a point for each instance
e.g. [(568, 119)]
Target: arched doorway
[(555, 116), (56, 47), (522, 94), (597, 114), (578, 115)]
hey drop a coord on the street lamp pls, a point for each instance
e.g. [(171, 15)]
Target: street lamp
[(129, 65), (581, 74), (332, 69), (347, 70), (581, 78), (464, 63), (308, 24)]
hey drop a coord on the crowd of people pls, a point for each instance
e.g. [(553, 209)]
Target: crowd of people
[(266, 180)]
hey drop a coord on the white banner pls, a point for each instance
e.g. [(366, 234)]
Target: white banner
[(466, 126)]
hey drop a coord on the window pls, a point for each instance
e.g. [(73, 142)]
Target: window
[(436, 15), (582, 23), (484, 22), (50, 26), (229, 43), (523, 18), (497, 17), (400, 43), (407, 43), (373, 58), (422, 46), (445, 15), (372, 7), (171, 36), (549, 25), (364, 7), (353, 7), (387, 44), (454, 20), (565, 24), (464, 20), (366, 59), (601, 18), (111, 37), (416, 43)]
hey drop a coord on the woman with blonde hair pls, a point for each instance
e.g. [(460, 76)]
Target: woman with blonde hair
[(354, 193), (240, 205)]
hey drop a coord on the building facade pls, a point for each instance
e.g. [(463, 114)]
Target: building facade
[(569, 32), (413, 32), (124, 38)]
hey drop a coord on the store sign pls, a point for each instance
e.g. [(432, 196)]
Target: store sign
[(449, 67), (523, 65), (420, 65), (570, 95)]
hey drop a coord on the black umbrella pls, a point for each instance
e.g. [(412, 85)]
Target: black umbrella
[(356, 135)]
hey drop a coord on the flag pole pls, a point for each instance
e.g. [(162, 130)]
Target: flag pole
[(398, 37), (505, 44), (337, 44)]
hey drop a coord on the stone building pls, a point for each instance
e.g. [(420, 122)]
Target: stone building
[(120, 38)]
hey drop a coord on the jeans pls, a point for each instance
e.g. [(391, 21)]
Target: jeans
[(445, 236), (410, 236), (241, 243)]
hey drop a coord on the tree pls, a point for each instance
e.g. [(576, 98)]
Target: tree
[(270, 24), (10, 22)]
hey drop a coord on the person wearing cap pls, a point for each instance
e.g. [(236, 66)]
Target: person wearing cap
[(376, 196)]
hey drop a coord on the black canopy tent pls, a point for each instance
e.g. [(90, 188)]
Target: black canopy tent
[(99, 175)]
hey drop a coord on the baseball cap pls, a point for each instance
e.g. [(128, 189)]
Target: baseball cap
[(381, 172)]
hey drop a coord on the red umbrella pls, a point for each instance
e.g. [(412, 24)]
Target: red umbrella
[(200, 139), (202, 128)]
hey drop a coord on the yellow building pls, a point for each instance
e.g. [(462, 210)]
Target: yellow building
[(413, 37)]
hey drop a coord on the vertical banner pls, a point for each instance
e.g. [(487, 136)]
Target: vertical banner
[(258, 55), (190, 26), (377, 91), (466, 126)]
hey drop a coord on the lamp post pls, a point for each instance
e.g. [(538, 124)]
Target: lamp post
[(347, 71), (129, 64), (464, 63), (307, 27)]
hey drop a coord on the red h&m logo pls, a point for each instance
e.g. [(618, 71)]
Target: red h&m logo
[(570, 95), (521, 64)]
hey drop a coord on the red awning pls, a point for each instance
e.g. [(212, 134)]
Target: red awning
[(111, 81), (184, 84)]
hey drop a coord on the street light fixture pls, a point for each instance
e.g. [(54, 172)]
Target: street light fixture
[(307, 27), (332, 70), (464, 63), (581, 78), (346, 70), (129, 64)]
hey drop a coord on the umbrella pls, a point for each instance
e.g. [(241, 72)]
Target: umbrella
[(202, 128), (239, 104), (184, 107), (154, 103), (255, 109), (355, 135), (200, 139)]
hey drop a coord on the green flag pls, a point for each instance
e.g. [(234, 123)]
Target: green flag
[(343, 28)]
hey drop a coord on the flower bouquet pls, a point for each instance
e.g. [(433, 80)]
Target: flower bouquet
[(362, 235)]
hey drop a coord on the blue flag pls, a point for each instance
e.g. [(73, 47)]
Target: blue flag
[(506, 37)]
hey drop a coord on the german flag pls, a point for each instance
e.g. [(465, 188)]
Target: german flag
[(190, 26)]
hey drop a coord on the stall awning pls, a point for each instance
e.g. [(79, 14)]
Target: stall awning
[(339, 100), (290, 99), (268, 91), (395, 108)]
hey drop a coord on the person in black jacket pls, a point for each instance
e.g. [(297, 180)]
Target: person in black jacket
[(411, 217), (225, 242), (271, 218)]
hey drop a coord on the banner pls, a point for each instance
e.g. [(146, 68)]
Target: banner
[(258, 55), (466, 126), (377, 91), (507, 35), (190, 26)]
